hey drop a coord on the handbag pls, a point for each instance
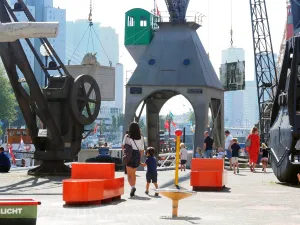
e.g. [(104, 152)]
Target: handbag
[(127, 152), (248, 142)]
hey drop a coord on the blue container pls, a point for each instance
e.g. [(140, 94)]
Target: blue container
[(103, 151)]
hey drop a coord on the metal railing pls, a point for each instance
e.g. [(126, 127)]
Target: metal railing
[(191, 16)]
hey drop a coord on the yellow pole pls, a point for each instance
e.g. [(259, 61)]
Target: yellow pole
[(177, 159)]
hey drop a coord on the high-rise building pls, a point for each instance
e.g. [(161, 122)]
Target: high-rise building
[(43, 11), (83, 38), (240, 107)]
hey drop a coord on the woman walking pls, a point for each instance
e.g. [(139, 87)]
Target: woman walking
[(135, 139), (253, 148)]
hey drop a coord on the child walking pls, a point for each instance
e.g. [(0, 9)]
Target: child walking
[(265, 157), (151, 175), (221, 154), (183, 156), (235, 148)]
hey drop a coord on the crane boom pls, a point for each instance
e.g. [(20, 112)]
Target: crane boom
[(265, 68)]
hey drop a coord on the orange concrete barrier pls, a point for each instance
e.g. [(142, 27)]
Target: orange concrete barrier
[(77, 191), (92, 183), (93, 171), (208, 174)]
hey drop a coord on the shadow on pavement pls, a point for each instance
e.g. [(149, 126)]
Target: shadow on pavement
[(223, 190), (139, 198), (96, 204), (185, 218), (241, 175), (32, 182), (171, 182), (31, 194), (289, 185)]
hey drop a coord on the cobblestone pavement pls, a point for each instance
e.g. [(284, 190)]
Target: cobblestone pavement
[(248, 199)]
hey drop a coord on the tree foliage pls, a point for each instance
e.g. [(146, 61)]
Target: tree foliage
[(114, 123), (120, 119), (143, 127), (192, 117), (19, 122), (8, 102)]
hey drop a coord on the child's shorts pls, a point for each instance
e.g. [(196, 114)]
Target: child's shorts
[(235, 159), (151, 177), (183, 162)]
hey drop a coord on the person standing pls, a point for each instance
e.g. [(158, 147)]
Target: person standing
[(208, 145), (183, 156), (254, 148), (228, 142), (135, 139), (235, 149), (4, 162)]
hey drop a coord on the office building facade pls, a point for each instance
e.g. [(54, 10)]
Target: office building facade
[(240, 107), (43, 11)]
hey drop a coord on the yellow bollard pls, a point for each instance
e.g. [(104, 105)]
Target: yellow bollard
[(176, 194), (178, 133), (177, 159)]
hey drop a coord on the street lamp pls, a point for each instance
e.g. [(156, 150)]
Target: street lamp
[(45, 51)]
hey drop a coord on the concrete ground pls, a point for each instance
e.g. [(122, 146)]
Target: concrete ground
[(248, 199)]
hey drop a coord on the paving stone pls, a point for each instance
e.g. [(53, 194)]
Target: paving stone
[(248, 199)]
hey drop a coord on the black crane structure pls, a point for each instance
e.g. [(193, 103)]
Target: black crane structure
[(265, 67), (64, 107)]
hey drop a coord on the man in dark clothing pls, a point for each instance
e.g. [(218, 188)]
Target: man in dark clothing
[(208, 145), (4, 161)]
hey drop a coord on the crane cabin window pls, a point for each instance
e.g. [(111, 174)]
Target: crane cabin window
[(143, 21), (130, 21)]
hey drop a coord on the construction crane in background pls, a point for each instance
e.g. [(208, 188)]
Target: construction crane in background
[(265, 68)]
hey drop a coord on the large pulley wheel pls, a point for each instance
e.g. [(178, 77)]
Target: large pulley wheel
[(85, 99)]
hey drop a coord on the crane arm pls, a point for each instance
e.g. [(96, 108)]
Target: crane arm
[(10, 32)]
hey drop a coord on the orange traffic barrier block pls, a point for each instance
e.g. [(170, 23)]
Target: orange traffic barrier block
[(93, 171), (208, 174), (92, 183), (113, 188), (207, 165), (208, 179), (82, 190)]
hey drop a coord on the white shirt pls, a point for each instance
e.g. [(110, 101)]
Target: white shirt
[(220, 155), (227, 141), (183, 154), (136, 144)]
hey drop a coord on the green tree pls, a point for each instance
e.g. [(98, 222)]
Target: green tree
[(114, 123), (102, 127), (120, 120), (143, 127), (20, 119), (191, 117), (8, 102)]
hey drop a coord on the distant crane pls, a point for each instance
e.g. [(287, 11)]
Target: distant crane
[(265, 67)]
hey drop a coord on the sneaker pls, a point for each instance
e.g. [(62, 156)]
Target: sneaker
[(156, 194), (132, 191), (147, 192), (238, 170)]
